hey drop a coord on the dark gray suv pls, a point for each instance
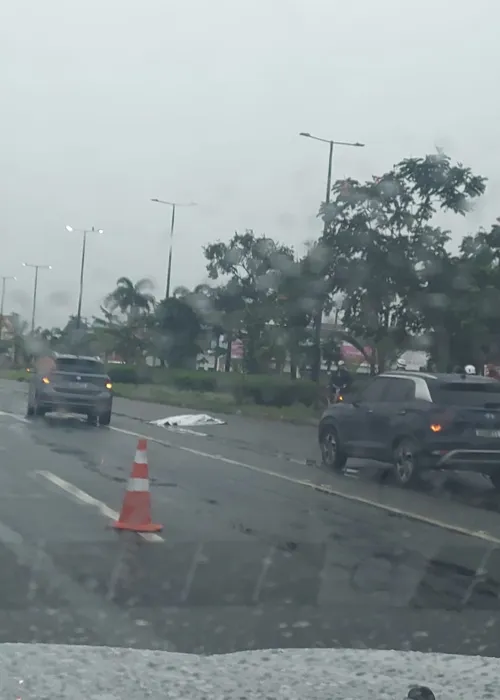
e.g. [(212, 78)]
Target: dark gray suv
[(72, 383)]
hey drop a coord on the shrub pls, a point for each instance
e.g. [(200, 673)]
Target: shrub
[(274, 391), (195, 380), (129, 374)]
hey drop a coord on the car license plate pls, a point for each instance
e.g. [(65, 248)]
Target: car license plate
[(488, 433), (77, 385)]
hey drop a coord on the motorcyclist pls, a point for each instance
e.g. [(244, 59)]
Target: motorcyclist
[(340, 379)]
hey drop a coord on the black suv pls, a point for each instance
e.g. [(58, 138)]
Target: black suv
[(417, 422), (77, 384)]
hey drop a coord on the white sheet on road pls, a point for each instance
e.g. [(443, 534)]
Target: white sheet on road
[(192, 420), (103, 673)]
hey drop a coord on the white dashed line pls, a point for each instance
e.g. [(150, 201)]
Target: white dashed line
[(88, 500), (323, 488), (16, 416)]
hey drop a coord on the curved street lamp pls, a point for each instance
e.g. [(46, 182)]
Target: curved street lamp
[(174, 205), (83, 231)]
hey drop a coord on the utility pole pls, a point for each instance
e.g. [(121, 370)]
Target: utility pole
[(318, 316)]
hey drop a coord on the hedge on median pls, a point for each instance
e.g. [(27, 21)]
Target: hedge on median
[(265, 390)]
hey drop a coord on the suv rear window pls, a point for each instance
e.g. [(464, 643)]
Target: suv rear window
[(75, 364), (466, 393)]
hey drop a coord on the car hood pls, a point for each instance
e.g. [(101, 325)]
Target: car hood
[(57, 672)]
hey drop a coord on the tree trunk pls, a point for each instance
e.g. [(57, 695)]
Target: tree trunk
[(227, 361), (251, 347)]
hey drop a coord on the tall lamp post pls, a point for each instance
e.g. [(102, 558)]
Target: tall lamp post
[(318, 317), (83, 231), (174, 206), (4, 283), (35, 289)]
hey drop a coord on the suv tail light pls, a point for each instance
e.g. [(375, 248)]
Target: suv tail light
[(442, 420)]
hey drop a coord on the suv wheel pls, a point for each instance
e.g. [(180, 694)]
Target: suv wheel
[(332, 455), (105, 418), (407, 462)]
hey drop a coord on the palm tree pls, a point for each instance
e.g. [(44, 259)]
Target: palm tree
[(127, 338), (131, 299)]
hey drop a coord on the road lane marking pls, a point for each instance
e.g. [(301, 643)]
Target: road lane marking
[(9, 536), (16, 416), (89, 500), (323, 488)]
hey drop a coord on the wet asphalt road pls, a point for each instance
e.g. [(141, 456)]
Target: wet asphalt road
[(252, 556)]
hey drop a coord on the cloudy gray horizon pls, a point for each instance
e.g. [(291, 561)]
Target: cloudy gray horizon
[(107, 104)]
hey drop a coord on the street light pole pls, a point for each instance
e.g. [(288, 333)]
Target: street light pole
[(82, 267), (174, 205), (318, 316), (35, 289), (82, 272), (169, 269), (4, 281)]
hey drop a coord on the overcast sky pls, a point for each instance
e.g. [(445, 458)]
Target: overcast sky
[(107, 103)]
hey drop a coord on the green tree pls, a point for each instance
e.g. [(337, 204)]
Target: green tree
[(380, 237), (213, 306), (460, 299), (129, 338), (331, 350), (254, 267), (176, 332), (297, 299)]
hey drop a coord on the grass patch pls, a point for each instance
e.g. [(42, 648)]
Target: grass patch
[(216, 402), (19, 375)]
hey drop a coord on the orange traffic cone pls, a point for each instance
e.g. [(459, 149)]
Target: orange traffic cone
[(136, 509)]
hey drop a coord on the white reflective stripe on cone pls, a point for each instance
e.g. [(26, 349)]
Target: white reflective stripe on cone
[(138, 485), (141, 457)]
